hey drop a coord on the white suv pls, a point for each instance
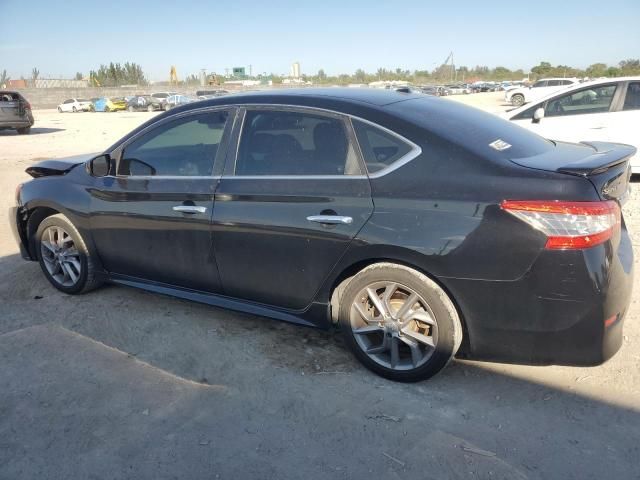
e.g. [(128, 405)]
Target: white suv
[(541, 88), (606, 110)]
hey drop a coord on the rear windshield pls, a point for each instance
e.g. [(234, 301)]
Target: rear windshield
[(480, 132), (9, 97)]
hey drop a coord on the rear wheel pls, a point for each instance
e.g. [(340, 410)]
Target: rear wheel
[(517, 100), (59, 110), (74, 109), (131, 109), (150, 108), (24, 130), (107, 109), (167, 107), (399, 323), (64, 257)]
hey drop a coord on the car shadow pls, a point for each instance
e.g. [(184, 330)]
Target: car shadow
[(34, 131), (286, 381)]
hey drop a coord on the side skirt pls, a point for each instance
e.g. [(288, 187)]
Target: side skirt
[(316, 315)]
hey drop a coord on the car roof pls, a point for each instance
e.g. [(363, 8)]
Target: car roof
[(371, 96), (576, 86)]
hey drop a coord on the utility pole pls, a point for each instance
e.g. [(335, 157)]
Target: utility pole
[(250, 70)]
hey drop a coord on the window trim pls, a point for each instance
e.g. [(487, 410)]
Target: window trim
[(226, 139), (230, 165)]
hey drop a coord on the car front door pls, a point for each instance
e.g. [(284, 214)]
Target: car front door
[(291, 200), (152, 220)]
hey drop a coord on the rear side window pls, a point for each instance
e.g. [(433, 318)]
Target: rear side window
[(184, 147), (632, 98), (294, 143), (379, 148)]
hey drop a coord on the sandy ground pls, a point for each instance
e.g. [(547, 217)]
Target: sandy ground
[(121, 383)]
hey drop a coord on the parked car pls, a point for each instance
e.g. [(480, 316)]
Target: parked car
[(144, 102), (15, 112), (357, 206), (458, 89), (602, 110), (211, 93), (541, 88), (105, 104), (162, 97), (430, 90), (75, 105), (177, 100)]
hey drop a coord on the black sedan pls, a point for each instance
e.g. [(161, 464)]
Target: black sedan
[(144, 103), (422, 227)]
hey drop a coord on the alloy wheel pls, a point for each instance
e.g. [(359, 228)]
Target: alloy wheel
[(394, 325), (60, 255)]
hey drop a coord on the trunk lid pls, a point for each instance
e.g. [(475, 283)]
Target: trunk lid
[(605, 165), (59, 166)]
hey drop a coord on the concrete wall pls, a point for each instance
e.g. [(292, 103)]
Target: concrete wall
[(52, 97)]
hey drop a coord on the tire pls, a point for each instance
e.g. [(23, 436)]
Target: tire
[(427, 335), (24, 130), (70, 240), (74, 109), (107, 109), (131, 109), (517, 100), (150, 108), (59, 110), (167, 107)]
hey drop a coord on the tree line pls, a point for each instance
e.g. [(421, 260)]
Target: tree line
[(129, 73), (449, 73)]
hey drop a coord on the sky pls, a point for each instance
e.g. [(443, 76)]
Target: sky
[(63, 37)]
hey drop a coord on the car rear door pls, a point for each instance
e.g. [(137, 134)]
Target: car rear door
[(152, 220), (575, 116), (292, 198)]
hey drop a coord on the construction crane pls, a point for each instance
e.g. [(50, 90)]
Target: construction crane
[(453, 67), (173, 76)]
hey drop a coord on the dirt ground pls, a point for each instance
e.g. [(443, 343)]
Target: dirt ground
[(120, 383)]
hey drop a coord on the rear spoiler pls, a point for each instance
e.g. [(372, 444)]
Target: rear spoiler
[(606, 156)]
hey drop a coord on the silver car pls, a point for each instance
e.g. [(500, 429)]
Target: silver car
[(15, 112)]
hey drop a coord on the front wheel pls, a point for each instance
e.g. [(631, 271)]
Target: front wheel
[(150, 108), (24, 130), (59, 110), (399, 323), (517, 100), (63, 256), (131, 109)]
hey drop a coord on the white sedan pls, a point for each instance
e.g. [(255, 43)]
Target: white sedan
[(75, 105), (600, 110)]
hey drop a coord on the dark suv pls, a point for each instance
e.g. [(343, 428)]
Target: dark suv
[(15, 112)]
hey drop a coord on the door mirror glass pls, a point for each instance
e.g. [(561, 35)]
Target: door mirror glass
[(538, 114), (100, 166)]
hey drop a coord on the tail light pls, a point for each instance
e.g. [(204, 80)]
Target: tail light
[(568, 225)]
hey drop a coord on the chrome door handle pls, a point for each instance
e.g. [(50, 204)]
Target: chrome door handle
[(330, 219), (189, 209)]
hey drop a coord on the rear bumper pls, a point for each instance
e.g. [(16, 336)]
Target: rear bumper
[(17, 123), (568, 309)]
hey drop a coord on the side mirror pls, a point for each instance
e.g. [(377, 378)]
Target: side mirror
[(100, 166), (538, 115)]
